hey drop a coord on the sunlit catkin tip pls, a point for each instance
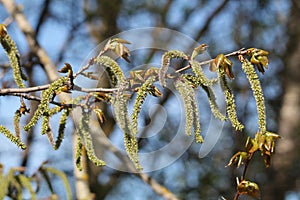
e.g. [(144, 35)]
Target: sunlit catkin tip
[(3, 30)]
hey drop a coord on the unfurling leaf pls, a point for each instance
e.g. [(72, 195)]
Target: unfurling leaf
[(67, 68), (266, 144), (225, 63), (259, 58), (248, 188), (118, 46), (251, 145), (238, 158), (199, 50), (100, 114)]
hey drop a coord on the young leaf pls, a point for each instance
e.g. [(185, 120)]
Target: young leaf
[(199, 50), (117, 45)]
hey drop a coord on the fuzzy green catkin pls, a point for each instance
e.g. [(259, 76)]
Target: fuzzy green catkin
[(87, 139), (197, 129), (46, 129), (64, 179), (196, 67), (213, 104), (257, 92), (12, 138), (112, 76), (46, 119), (46, 98), (25, 181), (185, 94), (230, 103), (78, 154), (62, 126), (166, 58), (139, 100), (131, 147), (113, 65), (119, 103), (17, 118), (12, 53), (210, 94)]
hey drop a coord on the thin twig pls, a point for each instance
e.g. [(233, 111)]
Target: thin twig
[(35, 98), (91, 62), (242, 51), (236, 196), (6, 91), (88, 90)]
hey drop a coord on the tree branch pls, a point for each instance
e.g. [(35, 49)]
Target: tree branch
[(8, 91), (52, 74), (235, 53)]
